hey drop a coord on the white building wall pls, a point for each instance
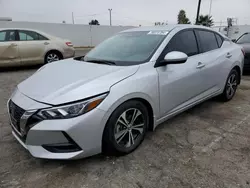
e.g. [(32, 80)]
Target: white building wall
[(79, 35)]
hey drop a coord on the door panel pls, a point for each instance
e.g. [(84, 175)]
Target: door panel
[(214, 62), (9, 52), (31, 52), (213, 57), (31, 49), (179, 84)]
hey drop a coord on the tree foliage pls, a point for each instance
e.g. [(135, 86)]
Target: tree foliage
[(94, 22), (205, 20), (182, 18)]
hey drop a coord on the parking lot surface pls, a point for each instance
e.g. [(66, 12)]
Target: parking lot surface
[(207, 146)]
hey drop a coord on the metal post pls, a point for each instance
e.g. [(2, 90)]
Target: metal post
[(110, 22), (210, 9), (73, 19), (198, 12), (220, 26)]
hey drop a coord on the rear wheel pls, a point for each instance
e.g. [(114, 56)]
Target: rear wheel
[(52, 56), (231, 86), (126, 128)]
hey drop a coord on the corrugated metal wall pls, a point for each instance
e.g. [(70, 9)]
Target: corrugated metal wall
[(80, 35)]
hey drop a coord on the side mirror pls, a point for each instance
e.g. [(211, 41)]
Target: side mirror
[(234, 40), (175, 57)]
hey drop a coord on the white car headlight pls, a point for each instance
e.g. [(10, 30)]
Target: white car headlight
[(71, 110)]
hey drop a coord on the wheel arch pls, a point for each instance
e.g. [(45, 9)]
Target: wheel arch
[(55, 51), (142, 98), (237, 68)]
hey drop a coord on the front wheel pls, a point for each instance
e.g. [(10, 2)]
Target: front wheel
[(126, 128), (231, 86)]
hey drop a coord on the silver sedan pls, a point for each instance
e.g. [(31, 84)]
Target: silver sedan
[(107, 100)]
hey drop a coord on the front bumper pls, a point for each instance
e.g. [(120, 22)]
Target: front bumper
[(42, 139)]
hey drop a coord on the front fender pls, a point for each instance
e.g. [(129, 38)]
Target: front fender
[(143, 85)]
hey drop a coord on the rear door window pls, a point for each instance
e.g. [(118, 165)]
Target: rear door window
[(28, 35), (208, 40), (184, 41)]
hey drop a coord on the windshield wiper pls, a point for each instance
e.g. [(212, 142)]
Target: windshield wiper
[(99, 61)]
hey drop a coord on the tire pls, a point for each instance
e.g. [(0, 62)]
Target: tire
[(52, 56), (121, 137), (231, 86)]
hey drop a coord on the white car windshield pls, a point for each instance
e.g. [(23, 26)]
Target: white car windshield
[(244, 39), (128, 48)]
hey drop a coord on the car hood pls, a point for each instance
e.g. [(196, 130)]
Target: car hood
[(70, 80)]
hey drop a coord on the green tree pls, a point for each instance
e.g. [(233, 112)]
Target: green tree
[(94, 22), (205, 20), (182, 18)]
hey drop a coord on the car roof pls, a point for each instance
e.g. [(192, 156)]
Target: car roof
[(167, 28), (28, 29)]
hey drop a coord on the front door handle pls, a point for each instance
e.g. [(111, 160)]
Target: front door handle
[(228, 55), (200, 65), (46, 43)]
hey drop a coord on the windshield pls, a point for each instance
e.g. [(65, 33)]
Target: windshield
[(244, 39), (128, 48)]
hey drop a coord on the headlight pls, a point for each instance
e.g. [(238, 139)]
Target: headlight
[(71, 110)]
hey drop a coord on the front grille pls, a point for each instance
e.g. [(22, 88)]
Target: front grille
[(15, 114), (34, 119)]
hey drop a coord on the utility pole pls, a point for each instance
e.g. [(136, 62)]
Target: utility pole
[(110, 22), (73, 19), (210, 9), (198, 12)]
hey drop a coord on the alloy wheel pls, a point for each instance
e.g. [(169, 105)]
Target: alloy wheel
[(231, 85), (129, 127), (52, 57)]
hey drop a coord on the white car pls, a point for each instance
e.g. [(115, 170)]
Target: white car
[(126, 86), (22, 47)]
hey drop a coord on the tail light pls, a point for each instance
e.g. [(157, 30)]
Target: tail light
[(243, 51), (69, 44)]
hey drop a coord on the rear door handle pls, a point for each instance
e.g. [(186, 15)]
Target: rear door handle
[(46, 43), (13, 44), (228, 55), (200, 65)]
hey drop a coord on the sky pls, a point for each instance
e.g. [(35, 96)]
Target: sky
[(124, 12)]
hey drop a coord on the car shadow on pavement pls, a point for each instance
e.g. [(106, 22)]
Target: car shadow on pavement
[(22, 68)]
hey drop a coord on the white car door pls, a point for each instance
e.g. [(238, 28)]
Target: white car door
[(31, 48), (181, 84), (9, 53), (213, 58)]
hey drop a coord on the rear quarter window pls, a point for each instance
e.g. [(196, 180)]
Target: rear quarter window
[(219, 40)]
